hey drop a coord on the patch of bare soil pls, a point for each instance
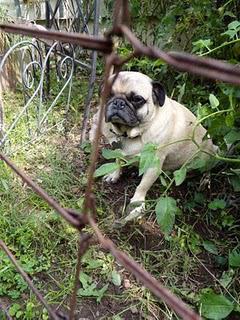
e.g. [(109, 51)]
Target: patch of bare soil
[(88, 309)]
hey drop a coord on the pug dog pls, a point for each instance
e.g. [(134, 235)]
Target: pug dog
[(138, 112)]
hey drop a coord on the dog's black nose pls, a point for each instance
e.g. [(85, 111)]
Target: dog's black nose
[(118, 104), (119, 111), (113, 108)]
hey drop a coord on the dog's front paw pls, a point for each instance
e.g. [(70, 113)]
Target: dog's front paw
[(134, 210), (112, 177)]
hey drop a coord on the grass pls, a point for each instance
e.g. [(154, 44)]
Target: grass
[(194, 259)]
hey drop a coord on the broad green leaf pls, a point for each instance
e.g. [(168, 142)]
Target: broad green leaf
[(213, 101), (89, 288), (159, 63), (181, 92), (166, 209), (88, 291), (19, 314), (230, 33), (201, 44), (116, 278), (86, 147), (112, 154), (203, 111), (197, 163), (94, 263), (14, 309), (101, 293), (232, 136), (230, 120), (229, 13), (163, 181), (180, 175), (80, 202), (235, 182), (235, 25), (85, 279), (234, 258), (214, 306), (226, 278), (106, 168), (221, 261), (92, 291), (227, 219), (132, 160), (199, 197), (210, 247), (148, 158), (15, 294), (217, 204), (233, 29)]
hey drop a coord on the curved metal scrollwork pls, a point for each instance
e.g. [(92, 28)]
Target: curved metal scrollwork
[(28, 70), (40, 62), (33, 74)]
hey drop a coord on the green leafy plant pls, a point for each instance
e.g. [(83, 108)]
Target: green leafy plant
[(214, 306), (201, 250), (233, 30), (210, 247), (166, 209), (89, 288), (234, 258)]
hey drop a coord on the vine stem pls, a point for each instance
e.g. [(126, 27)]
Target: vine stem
[(184, 165), (224, 44), (208, 116)]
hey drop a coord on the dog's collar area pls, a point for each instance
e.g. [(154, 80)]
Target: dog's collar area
[(123, 135)]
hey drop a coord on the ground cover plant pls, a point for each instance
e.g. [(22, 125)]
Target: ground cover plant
[(189, 238)]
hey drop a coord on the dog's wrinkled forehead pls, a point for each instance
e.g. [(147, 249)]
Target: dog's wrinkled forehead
[(129, 81)]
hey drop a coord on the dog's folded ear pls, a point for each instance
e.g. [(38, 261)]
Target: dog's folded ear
[(158, 93)]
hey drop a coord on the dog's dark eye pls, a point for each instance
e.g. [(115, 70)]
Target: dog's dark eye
[(137, 100)]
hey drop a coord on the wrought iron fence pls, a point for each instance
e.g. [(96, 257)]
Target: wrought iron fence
[(34, 57), (185, 62)]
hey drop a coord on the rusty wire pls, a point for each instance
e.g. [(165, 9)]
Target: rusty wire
[(78, 221), (84, 41), (120, 16), (145, 277), (6, 313), (142, 275), (209, 68)]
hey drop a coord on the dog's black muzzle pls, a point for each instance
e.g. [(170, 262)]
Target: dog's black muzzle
[(119, 111)]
